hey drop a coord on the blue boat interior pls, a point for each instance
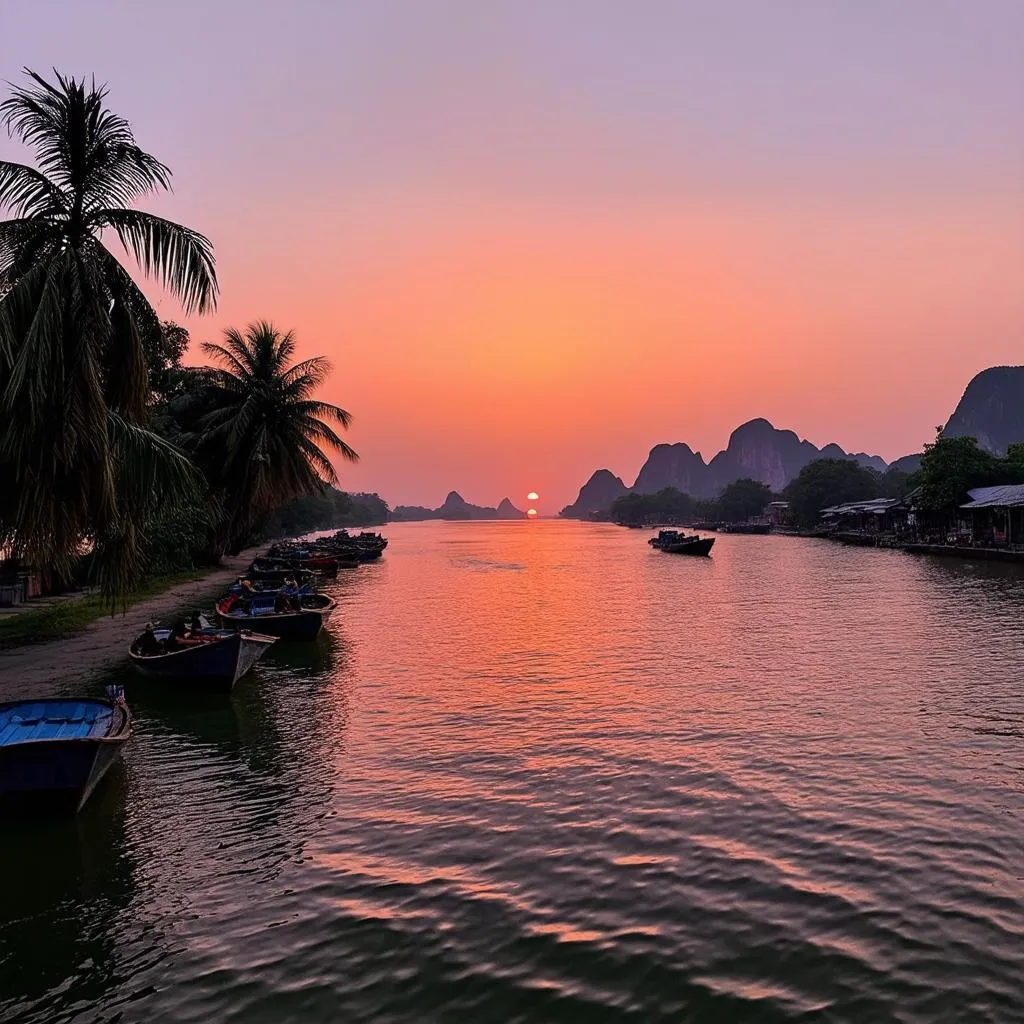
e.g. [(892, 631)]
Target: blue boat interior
[(32, 720)]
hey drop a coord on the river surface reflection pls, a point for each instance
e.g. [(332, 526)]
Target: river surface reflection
[(540, 772)]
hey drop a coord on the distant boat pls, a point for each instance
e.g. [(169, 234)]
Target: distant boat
[(259, 613), (217, 662), (53, 753), (759, 528), (673, 542)]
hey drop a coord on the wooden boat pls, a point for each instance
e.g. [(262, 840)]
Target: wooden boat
[(689, 546), (279, 566), (259, 612), (673, 542), (274, 572), (53, 753), (217, 662)]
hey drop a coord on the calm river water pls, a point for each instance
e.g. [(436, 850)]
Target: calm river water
[(540, 772)]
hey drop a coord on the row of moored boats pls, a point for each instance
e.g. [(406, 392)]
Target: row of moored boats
[(54, 752)]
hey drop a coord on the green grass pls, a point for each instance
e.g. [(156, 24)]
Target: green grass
[(36, 625)]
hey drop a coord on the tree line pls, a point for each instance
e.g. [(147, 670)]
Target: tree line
[(109, 446), (950, 467)]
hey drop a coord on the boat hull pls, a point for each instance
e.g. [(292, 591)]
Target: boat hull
[(302, 625), (216, 665), (57, 776), (699, 547)]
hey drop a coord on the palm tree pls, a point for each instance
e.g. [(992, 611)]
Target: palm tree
[(263, 436), (74, 327)]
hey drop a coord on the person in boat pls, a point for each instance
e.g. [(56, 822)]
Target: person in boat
[(148, 645), (195, 627), (290, 596), (179, 637)]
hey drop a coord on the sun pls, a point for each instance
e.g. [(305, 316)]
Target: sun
[(531, 512), (532, 496)]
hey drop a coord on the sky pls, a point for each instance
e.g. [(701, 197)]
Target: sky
[(537, 237)]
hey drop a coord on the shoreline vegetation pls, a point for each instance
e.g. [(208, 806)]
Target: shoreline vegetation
[(123, 466), (101, 642), (962, 501)]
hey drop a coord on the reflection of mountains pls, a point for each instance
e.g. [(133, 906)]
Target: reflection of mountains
[(69, 884)]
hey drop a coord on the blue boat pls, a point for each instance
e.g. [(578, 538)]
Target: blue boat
[(54, 752)]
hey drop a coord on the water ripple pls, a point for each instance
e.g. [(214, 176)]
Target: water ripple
[(540, 773)]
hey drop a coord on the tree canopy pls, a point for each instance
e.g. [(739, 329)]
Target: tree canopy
[(75, 328), (826, 482), (951, 466), (666, 506), (260, 435), (742, 500)]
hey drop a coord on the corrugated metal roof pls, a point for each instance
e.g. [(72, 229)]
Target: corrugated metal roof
[(873, 505), (1003, 496)]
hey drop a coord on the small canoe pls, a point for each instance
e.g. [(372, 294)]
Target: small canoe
[(259, 613), (53, 753), (216, 662)]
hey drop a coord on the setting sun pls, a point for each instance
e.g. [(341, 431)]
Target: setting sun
[(533, 496), (531, 512)]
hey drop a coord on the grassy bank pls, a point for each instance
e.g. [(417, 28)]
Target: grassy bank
[(37, 625)]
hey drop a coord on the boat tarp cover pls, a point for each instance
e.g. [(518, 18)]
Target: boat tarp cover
[(29, 721)]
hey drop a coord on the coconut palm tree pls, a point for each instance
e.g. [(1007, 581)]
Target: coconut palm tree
[(262, 438), (74, 327)]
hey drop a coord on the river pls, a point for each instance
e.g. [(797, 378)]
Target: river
[(540, 772)]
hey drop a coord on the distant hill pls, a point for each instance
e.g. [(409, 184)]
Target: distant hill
[(762, 452), (991, 409), (596, 495), (756, 449), (455, 507), (907, 464), (673, 465)]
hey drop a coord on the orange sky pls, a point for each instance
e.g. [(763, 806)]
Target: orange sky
[(534, 244), (496, 351)]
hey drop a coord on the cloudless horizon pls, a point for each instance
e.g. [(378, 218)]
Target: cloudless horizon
[(534, 245)]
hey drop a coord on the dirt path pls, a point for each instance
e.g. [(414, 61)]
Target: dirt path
[(38, 668)]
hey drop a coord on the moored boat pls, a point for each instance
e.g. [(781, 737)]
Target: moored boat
[(273, 572), (673, 542), (757, 528), (261, 613), (689, 546), (215, 659), (54, 752)]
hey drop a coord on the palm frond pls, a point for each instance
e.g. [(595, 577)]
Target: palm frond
[(180, 258), (322, 434), (305, 377), (151, 468), (323, 411), (230, 358), (82, 144), (27, 193), (23, 243)]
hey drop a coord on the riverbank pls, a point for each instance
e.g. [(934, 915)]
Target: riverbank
[(102, 644)]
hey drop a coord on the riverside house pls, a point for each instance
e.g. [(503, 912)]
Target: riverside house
[(994, 517)]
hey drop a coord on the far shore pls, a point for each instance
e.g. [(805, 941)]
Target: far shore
[(103, 644)]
